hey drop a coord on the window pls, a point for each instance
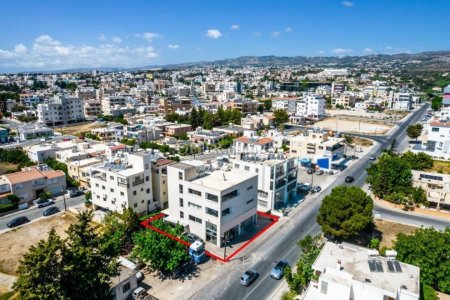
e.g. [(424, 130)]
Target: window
[(195, 219), (181, 202), (249, 188), (112, 190), (135, 205), (212, 197), (236, 166), (96, 185), (247, 168), (324, 287), (147, 178), (111, 177), (193, 205), (256, 170), (181, 215), (134, 193), (180, 189), (229, 196), (211, 212), (194, 192), (142, 201), (142, 189), (180, 175), (126, 287), (226, 212), (103, 187), (122, 194), (262, 203), (249, 201), (148, 191), (435, 129)]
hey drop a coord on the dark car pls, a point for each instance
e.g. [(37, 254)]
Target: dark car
[(17, 222), (349, 179), (45, 203), (372, 157), (248, 277), (316, 189), (76, 193), (310, 171), (50, 211), (278, 271)]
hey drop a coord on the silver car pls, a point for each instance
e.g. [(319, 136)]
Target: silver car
[(248, 277), (278, 271)]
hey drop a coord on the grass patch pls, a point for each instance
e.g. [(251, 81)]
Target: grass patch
[(9, 296), (440, 166), (6, 167)]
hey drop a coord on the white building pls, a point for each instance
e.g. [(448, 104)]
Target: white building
[(401, 101), (211, 203), (123, 181), (253, 144), (287, 103), (435, 140), (109, 103), (312, 106), (277, 177), (31, 131), (63, 109), (348, 271)]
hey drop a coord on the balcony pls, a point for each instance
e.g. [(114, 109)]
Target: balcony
[(138, 182), (123, 184)]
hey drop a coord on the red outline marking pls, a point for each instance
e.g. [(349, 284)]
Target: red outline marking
[(147, 223)]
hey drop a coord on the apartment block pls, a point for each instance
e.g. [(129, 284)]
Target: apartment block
[(311, 107), (92, 108), (253, 144), (345, 100), (160, 182), (435, 140), (350, 272), (287, 103), (31, 131), (123, 181), (211, 203), (60, 110), (437, 187), (111, 102), (28, 183), (177, 129), (277, 177)]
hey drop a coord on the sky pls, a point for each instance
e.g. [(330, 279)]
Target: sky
[(55, 35)]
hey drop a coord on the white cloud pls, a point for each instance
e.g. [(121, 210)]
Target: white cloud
[(275, 34), (288, 29), (102, 37), (348, 3), (149, 36), (213, 34), (47, 53), (116, 39), (235, 27), (341, 51), (257, 33), (368, 50), (174, 46)]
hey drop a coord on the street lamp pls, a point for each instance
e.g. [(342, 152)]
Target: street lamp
[(63, 190), (226, 240)]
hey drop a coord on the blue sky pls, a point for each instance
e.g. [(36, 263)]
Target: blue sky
[(49, 35)]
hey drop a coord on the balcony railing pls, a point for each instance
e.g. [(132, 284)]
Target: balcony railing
[(138, 182)]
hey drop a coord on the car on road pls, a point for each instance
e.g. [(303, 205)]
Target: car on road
[(319, 172), (310, 171), (50, 211), (248, 277), (372, 157), (17, 222), (316, 189), (278, 271), (349, 179), (75, 193), (45, 203)]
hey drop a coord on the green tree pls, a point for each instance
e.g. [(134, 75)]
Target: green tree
[(281, 116), (349, 143), (414, 131), (40, 270), (418, 161), (428, 293), (345, 212), (160, 252), (118, 229), (436, 103), (428, 249), (389, 174)]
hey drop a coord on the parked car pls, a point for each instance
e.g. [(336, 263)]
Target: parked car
[(75, 193), (372, 157), (305, 187), (316, 189), (349, 179), (191, 237), (45, 203), (50, 211), (17, 222), (248, 277), (278, 271), (310, 171), (319, 172)]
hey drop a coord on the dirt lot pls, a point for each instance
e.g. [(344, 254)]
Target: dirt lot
[(76, 129), (368, 127), (390, 231), (362, 142), (5, 167), (15, 243), (440, 166)]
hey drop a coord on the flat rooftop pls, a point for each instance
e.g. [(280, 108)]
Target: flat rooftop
[(222, 180), (355, 261)]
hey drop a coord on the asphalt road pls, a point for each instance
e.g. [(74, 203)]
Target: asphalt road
[(34, 213), (302, 221)]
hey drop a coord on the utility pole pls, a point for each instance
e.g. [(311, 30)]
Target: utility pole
[(64, 198)]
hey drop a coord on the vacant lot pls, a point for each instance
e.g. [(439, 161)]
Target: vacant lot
[(6, 167), (77, 129), (15, 243), (368, 127), (390, 230), (362, 142), (440, 166)]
